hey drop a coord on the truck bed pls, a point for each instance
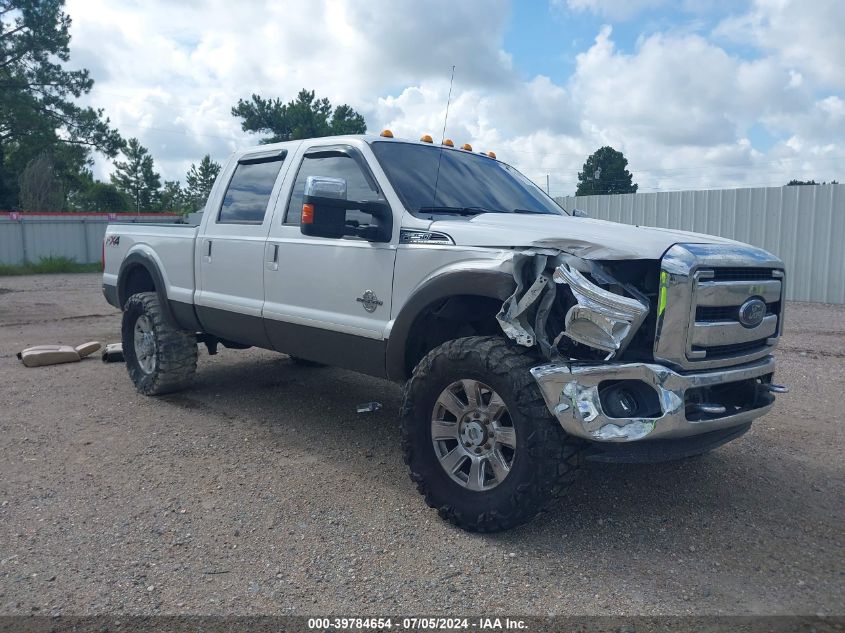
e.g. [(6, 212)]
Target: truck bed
[(171, 246)]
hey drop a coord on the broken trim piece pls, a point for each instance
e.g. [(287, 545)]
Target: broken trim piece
[(602, 319), (514, 316)]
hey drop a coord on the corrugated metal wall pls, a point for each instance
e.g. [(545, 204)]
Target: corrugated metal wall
[(30, 237), (803, 225)]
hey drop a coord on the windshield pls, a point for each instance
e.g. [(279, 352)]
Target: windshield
[(467, 183)]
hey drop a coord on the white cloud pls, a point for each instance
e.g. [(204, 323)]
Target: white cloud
[(806, 36), (614, 9), (683, 109)]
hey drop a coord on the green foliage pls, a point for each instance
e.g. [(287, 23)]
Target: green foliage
[(37, 110), (40, 189), (137, 178), (199, 182), (101, 197), (48, 265), (304, 117), (605, 172), (173, 198), (792, 183)]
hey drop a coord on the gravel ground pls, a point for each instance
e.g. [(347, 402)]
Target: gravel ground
[(261, 490)]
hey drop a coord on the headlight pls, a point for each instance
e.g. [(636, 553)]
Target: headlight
[(601, 319)]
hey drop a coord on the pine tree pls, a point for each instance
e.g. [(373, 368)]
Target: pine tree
[(136, 177), (38, 95), (173, 197), (605, 172), (304, 117), (199, 182)]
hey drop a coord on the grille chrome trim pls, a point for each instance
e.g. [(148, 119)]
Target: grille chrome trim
[(733, 293), (718, 333), (693, 275)]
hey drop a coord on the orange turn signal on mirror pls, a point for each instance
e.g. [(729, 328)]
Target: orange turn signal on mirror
[(307, 214)]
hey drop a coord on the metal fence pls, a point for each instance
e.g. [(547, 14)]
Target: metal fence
[(803, 225), (29, 237)]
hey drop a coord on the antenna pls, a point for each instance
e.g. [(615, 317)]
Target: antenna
[(443, 137)]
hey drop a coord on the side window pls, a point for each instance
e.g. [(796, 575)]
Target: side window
[(249, 191), (358, 187)]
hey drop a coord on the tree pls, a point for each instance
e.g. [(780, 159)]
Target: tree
[(37, 109), (199, 182), (605, 172), (792, 183), (136, 177), (102, 197), (304, 117), (40, 189), (173, 197)]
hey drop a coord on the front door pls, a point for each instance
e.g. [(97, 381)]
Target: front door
[(328, 300)]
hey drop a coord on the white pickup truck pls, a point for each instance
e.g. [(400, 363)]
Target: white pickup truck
[(529, 339)]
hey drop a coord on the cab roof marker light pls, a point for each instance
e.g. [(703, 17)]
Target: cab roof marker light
[(386, 133), (467, 147), (448, 142), (492, 155), (426, 138)]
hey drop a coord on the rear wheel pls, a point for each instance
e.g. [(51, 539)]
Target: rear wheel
[(160, 358), (480, 442)]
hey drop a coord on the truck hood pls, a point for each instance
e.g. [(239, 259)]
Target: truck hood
[(584, 237)]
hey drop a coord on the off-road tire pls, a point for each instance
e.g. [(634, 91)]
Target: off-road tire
[(176, 350), (546, 459)]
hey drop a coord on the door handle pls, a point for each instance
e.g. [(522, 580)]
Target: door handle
[(273, 264), (207, 256)]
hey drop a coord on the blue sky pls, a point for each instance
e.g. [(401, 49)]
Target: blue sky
[(696, 93)]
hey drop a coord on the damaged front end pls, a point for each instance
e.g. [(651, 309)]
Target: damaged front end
[(595, 324), (573, 308)]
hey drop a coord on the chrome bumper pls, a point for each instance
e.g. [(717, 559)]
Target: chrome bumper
[(571, 391)]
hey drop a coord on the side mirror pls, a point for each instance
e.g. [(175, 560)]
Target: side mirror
[(580, 213), (325, 212)]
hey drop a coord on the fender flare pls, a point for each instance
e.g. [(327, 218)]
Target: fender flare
[(134, 260), (482, 282)]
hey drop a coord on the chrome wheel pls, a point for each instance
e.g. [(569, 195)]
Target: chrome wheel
[(145, 344), (473, 435)]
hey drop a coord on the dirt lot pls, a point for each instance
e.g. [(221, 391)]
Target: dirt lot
[(262, 491)]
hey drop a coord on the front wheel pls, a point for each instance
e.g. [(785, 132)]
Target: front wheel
[(160, 358), (480, 442)]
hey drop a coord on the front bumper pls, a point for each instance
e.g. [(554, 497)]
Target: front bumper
[(573, 394)]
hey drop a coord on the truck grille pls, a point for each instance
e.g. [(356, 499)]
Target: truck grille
[(742, 274), (705, 287)]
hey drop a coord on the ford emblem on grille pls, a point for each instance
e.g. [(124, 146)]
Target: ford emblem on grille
[(752, 312)]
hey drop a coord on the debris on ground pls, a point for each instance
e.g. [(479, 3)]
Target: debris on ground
[(368, 407), (41, 355), (113, 353)]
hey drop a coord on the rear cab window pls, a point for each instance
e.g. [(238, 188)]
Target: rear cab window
[(248, 194)]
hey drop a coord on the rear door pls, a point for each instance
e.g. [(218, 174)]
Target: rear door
[(329, 299), (230, 250)]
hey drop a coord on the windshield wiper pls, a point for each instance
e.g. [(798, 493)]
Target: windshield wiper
[(459, 210)]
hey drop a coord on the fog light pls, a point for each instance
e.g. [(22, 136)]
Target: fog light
[(620, 403), (628, 399)]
